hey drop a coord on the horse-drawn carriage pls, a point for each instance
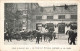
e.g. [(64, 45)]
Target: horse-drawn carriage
[(18, 35), (24, 35)]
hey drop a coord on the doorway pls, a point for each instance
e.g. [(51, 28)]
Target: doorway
[(61, 28), (39, 26)]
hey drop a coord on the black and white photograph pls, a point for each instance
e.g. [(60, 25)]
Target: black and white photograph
[(40, 23)]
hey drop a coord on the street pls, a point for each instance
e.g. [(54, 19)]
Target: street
[(27, 42), (61, 40)]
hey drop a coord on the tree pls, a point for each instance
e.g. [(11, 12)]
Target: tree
[(9, 15)]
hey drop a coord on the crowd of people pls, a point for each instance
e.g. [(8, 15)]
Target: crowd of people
[(48, 36)]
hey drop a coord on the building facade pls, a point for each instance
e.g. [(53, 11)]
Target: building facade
[(31, 16), (25, 18), (60, 16)]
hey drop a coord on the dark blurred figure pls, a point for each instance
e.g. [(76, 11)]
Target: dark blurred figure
[(31, 36), (73, 37), (54, 35), (38, 36), (41, 37), (45, 37), (8, 35), (50, 36)]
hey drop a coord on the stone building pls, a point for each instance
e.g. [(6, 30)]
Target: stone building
[(32, 16), (60, 16), (19, 15), (25, 18)]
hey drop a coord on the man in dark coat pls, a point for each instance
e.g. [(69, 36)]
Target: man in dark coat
[(38, 36), (9, 37), (73, 37), (50, 36)]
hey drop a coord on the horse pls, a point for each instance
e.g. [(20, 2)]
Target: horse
[(48, 36)]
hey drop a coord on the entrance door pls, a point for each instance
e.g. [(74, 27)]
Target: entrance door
[(61, 28)]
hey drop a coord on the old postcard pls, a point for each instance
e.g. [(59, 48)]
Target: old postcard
[(39, 25)]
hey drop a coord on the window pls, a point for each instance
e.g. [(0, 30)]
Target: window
[(49, 17), (38, 17), (73, 16), (61, 17)]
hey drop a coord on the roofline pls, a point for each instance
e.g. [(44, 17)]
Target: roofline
[(56, 6)]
